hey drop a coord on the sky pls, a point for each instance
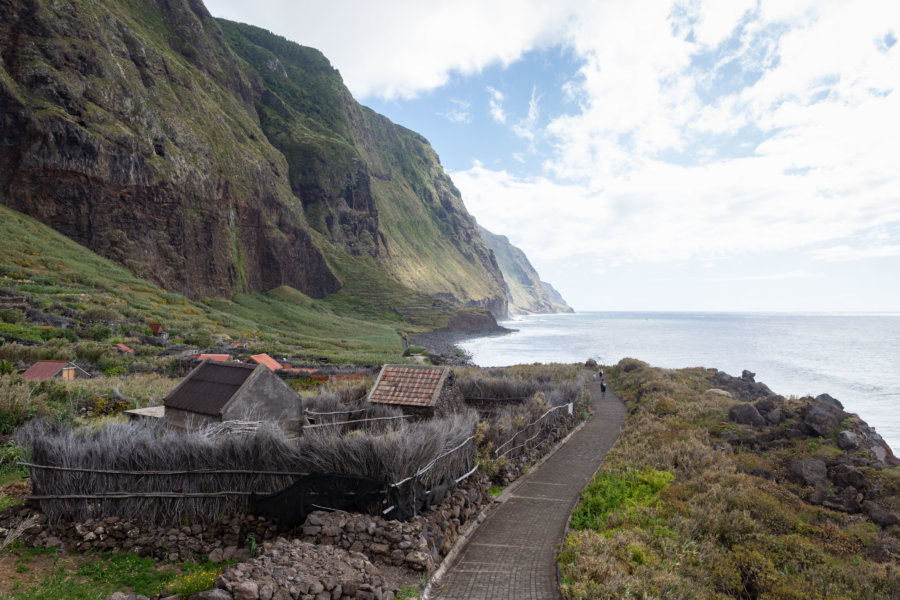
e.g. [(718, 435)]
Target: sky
[(724, 155)]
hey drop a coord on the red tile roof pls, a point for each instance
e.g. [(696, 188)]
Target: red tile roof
[(221, 357), (44, 369), (408, 385), (124, 348), (265, 359)]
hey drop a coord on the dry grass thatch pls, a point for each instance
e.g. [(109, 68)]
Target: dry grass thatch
[(196, 478)]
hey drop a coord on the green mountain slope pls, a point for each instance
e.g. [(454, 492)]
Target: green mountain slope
[(64, 280), (527, 293), (372, 187), (130, 127), (133, 128)]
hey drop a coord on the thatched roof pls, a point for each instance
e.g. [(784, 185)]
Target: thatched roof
[(409, 385), (209, 387)]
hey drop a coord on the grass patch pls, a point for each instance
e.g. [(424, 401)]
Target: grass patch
[(42, 573), (609, 492)]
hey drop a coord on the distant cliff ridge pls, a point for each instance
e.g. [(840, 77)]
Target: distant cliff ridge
[(526, 292), (212, 157)]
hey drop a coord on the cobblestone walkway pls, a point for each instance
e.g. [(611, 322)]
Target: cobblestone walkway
[(512, 554)]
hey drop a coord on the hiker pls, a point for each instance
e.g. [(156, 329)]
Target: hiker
[(602, 388)]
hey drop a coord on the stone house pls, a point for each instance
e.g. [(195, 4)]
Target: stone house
[(214, 392), (418, 390)]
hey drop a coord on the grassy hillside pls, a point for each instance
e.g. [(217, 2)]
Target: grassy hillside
[(690, 504), (359, 324)]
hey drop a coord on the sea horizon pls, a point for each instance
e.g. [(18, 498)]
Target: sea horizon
[(847, 355)]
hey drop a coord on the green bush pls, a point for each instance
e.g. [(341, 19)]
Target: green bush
[(201, 339), (99, 313), (12, 315), (98, 332)]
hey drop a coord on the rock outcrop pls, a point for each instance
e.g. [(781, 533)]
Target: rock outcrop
[(527, 293)]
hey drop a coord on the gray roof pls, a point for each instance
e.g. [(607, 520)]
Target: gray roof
[(209, 387)]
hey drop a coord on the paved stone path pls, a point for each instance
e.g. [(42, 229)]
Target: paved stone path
[(512, 554)]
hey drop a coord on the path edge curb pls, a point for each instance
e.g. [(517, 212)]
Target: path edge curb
[(463, 539)]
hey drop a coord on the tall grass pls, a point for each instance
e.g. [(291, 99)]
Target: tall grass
[(515, 404)]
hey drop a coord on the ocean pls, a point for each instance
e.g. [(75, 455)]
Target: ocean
[(854, 358)]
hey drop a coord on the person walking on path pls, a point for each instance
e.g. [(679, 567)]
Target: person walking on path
[(602, 387), (512, 554)]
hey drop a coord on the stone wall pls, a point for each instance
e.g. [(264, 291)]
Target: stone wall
[(418, 544)]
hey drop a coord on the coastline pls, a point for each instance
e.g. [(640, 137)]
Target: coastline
[(442, 344)]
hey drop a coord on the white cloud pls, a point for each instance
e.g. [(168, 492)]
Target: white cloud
[(845, 253), (526, 128), (789, 275), (495, 103), (401, 48), (458, 111)]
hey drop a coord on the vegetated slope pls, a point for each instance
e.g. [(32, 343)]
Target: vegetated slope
[(130, 127), (134, 129), (527, 293), (374, 188), (65, 283), (718, 488)]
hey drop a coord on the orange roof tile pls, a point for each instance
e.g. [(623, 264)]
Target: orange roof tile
[(219, 357), (265, 359)]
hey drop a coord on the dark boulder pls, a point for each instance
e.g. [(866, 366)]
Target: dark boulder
[(832, 401), (845, 475), (846, 501), (775, 416), (808, 471), (848, 440), (746, 414), (748, 376), (822, 418), (879, 515)]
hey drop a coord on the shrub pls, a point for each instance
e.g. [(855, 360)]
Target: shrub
[(12, 315), (98, 332), (99, 314)]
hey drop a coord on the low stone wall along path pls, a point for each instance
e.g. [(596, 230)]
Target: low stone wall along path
[(512, 554)]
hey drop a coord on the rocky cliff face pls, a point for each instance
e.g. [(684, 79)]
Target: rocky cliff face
[(373, 187), (527, 293), (206, 156), (130, 127)]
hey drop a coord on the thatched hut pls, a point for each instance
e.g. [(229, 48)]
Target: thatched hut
[(230, 391), (417, 390)]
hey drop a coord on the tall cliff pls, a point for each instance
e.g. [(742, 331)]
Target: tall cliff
[(131, 128), (214, 161), (373, 187), (526, 292)]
